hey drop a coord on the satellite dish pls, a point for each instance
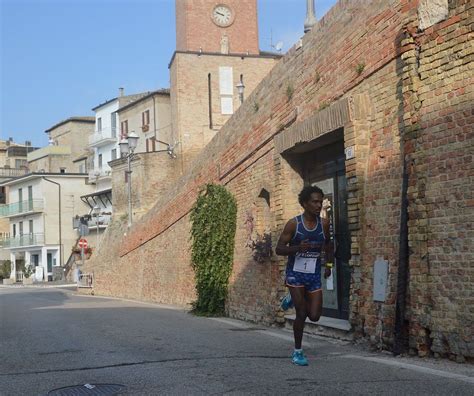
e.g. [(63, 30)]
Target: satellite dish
[(279, 46)]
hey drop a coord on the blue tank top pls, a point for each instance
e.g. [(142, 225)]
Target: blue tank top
[(315, 235)]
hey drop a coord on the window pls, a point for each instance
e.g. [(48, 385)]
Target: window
[(35, 259), (209, 89), (100, 161), (99, 124), (113, 124), (226, 88), (62, 170), (146, 120), (14, 230), (150, 145), (264, 216), (30, 197), (123, 129), (81, 168), (113, 154), (20, 163), (30, 226), (20, 228)]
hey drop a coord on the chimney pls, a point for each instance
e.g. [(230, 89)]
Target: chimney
[(310, 20), (121, 92)]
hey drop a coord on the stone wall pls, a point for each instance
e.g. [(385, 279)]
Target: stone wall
[(403, 99)]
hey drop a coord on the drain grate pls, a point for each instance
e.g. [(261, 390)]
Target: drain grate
[(88, 389)]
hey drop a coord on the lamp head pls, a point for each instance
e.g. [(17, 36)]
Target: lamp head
[(123, 146), (240, 88), (132, 140)]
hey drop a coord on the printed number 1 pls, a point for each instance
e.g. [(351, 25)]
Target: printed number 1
[(305, 263)]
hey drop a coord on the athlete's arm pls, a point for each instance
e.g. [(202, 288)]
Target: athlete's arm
[(282, 248)]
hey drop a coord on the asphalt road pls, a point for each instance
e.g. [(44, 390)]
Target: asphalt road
[(53, 338)]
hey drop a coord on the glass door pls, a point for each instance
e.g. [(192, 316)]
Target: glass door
[(337, 287), (325, 167), (50, 262)]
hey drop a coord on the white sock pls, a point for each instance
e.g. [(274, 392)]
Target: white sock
[(298, 350)]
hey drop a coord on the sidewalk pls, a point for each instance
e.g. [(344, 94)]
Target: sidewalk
[(40, 285)]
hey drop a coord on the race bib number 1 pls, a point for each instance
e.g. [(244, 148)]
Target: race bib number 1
[(306, 265)]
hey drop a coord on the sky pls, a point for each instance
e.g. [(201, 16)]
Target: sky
[(61, 58)]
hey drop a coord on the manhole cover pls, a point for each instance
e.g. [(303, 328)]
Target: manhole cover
[(88, 389)]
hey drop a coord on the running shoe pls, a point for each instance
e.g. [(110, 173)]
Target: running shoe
[(299, 358), (286, 302)]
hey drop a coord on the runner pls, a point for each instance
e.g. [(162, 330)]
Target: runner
[(302, 240)]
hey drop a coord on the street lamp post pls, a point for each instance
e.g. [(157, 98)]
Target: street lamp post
[(127, 147), (240, 89), (96, 211)]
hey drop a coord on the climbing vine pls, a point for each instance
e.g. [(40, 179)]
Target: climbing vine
[(213, 218)]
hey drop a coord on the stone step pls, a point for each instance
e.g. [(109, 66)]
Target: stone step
[(325, 326)]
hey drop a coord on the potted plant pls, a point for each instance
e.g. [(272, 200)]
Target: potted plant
[(27, 272)]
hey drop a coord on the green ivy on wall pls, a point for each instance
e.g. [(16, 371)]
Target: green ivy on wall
[(213, 218)]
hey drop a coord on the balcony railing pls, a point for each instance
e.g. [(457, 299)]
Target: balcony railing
[(24, 240), (104, 136), (99, 173), (13, 172), (22, 207), (103, 220)]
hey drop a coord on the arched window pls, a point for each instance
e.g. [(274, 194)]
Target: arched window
[(264, 218)]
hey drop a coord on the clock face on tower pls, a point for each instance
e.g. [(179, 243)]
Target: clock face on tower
[(222, 15)]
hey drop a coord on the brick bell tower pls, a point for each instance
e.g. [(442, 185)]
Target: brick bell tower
[(217, 26), (216, 49)]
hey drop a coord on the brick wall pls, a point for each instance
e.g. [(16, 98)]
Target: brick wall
[(409, 94), (190, 73), (147, 182), (439, 84)]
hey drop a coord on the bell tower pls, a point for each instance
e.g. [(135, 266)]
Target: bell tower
[(216, 52), (216, 26)]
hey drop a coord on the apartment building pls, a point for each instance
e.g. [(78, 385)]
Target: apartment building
[(40, 211), (150, 118), (68, 147), (104, 146), (13, 163)]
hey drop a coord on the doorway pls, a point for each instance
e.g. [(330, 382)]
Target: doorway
[(49, 261), (325, 168)]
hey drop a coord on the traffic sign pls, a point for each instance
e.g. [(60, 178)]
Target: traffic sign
[(82, 243)]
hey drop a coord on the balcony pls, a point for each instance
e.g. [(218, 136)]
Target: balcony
[(22, 207), (93, 222), (13, 172), (99, 174), (104, 137), (25, 240)]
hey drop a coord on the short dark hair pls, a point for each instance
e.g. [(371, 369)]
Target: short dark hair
[(305, 194)]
